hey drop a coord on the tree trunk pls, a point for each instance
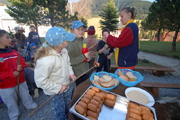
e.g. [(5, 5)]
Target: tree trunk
[(52, 21), (158, 35), (174, 39)]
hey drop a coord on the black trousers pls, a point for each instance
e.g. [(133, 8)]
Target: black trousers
[(82, 79), (104, 63)]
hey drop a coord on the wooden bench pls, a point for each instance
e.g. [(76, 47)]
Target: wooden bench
[(154, 87), (157, 71)]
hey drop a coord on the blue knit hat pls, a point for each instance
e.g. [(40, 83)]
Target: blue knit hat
[(77, 24), (57, 35)]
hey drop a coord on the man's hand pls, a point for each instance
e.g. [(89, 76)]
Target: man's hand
[(19, 68), (87, 55), (16, 73)]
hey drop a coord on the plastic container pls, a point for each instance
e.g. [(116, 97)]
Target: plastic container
[(85, 50), (129, 83), (100, 74)]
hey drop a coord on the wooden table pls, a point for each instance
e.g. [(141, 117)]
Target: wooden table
[(161, 112)]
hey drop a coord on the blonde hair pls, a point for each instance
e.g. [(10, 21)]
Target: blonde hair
[(43, 52)]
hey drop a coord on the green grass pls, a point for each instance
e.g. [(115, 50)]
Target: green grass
[(161, 48)]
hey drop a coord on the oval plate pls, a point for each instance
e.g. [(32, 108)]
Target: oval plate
[(151, 99)]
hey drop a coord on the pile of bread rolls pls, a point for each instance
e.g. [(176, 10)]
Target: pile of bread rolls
[(128, 77), (139, 112), (91, 103), (105, 81)]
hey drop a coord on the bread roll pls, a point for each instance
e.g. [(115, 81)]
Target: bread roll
[(96, 89), (80, 109), (99, 95), (116, 81), (98, 110), (130, 76), (133, 110), (93, 101), (130, 118), (110, 97), (96, 82), (83, 104), (109, 103), (107, 84), (106, 78), (91, 92), (119, 72), (85, 100), (87, 96), (103, 94), (124, 77), (135, 116), (146, 113), (97, 98), (100, 105), (144, 108), (96, 77), (92, 107), (91, 118), (135, 106), (92, 114)]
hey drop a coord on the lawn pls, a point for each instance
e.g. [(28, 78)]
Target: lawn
[(161, 48)]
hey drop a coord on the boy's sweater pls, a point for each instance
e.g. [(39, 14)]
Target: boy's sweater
[(76, 56), (8, 64), (34, 38), (92, 45)]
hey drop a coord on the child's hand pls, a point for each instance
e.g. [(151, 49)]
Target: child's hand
[(63, 88), (16, 73), (109, 57), (73, 77), (19, 68), (106, 46), (87, 55)]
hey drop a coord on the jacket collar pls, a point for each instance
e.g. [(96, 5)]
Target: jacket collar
[(53, 52), (5, 50)]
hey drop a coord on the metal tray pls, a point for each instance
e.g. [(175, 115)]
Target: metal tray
[(117, 113)]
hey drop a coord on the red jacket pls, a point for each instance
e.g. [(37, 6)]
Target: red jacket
[(8, 64)]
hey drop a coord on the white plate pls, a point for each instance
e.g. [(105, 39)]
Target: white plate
[(151, 99)]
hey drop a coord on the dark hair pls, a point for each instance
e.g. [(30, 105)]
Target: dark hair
[(2, 32), (31, 26), (131, 10), (105, 30)]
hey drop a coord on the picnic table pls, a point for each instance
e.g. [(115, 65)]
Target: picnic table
[(161, 112)]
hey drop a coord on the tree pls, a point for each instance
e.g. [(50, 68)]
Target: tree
[(26, 12), (172, 17), (109, 16), (57, 12)]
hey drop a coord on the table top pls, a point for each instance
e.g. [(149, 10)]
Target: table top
[(161, 112)]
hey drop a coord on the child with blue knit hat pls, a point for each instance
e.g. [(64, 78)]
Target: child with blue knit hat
[(75, 52), (53, 70)]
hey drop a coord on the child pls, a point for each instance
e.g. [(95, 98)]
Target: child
[(53, 70), (105, 53), (127, 43), (24, 40), (9, 76), (34, 37), (92, 44), (75, 52), (32, 50)]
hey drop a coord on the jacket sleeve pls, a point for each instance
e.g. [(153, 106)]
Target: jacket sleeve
[(69, 64), (124, 39), (42, 72), (75, 60), (29, 37)]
